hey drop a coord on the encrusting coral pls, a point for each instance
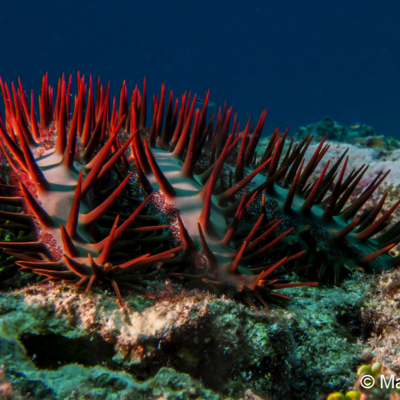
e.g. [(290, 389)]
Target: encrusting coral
[(242, 221)]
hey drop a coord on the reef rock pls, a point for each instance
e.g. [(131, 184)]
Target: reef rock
[(361, 135), (56, 342)]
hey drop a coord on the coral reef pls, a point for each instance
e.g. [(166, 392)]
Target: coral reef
[(93, 198), (379, 319), (361, 135), (380, 315), (229, 347)]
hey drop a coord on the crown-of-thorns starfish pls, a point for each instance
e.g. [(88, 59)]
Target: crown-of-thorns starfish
[(245, 220)]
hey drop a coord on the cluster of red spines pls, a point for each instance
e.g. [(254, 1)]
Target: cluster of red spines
[(20, 132)]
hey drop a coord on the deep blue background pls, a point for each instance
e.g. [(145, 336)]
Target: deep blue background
[(300, 59)]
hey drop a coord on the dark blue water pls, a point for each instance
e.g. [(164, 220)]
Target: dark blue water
[(300, 59)]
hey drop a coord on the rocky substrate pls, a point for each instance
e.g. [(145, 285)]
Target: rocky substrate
[(57, 343)]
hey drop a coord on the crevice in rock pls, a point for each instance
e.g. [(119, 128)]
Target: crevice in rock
[(52, 351)]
